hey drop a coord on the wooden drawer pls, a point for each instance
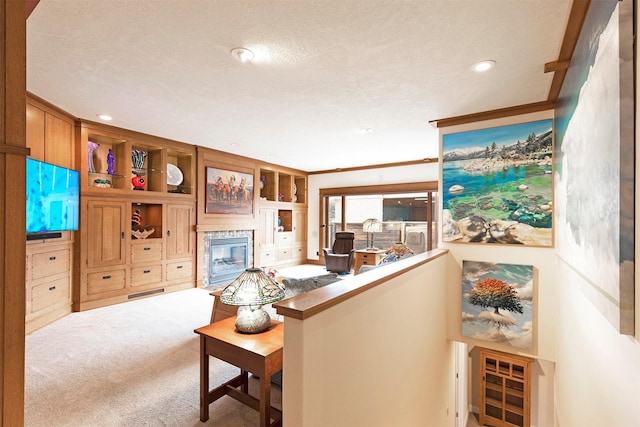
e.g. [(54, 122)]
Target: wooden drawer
[(50, 293), (267, 257), (284, 254), (179, 270), (112, 280), (299, 253), (284, 238), (46, 264), (145, 251), (146, 274)]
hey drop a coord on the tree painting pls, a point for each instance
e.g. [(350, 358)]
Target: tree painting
[(497, 302), (495, 293)]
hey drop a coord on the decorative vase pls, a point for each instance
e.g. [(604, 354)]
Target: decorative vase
[(137, 158), (93, 146), (263, 181)]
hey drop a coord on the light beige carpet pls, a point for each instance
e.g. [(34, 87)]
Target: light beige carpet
[(131, 364)]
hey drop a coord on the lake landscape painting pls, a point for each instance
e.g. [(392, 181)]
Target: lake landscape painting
[(498, 185)]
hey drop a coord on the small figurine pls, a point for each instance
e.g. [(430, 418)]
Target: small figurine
[(138, 182), (136, 219), (111, 163)]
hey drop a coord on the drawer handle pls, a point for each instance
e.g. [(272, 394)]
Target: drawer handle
[(146, 271), (178, 266), (52, 288), (146, 249), (107, 277), (52, 258)]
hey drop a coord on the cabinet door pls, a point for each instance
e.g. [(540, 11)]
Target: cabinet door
[(35, 132), (268, 223), (299, 226), (180, 238), (106, 233), (58, 141)]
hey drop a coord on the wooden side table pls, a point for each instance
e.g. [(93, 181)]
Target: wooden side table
[(365, 257), (260, 354)]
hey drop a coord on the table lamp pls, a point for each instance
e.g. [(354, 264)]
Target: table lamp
[(370, 226), (250, 291)]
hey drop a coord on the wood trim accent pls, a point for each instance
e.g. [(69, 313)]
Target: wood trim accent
[(318, 300), (408, 187), (577, 16), (494, 114), (550, 67), (30, 6), (13, 73), (379, 166), (14, 149)]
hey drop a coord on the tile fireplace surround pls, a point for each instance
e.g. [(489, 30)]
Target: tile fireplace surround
[(230, 234)]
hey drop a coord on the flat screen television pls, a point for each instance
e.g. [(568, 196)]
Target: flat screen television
[(53, 198)]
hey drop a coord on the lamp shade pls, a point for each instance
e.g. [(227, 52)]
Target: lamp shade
[(251, 290), (252, 287), (372, 225)]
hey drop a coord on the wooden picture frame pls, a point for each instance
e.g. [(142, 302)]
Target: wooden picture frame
[(228, 192)]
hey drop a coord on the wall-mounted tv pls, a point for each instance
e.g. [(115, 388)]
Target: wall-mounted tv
[(53, 197)]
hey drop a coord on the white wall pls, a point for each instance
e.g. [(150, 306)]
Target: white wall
[(543, 261), (597, 369), (381, 358), (395, 175)]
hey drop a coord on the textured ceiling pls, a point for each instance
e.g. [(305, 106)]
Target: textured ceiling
[(324, 70)]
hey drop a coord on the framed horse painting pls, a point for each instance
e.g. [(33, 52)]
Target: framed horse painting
[(228, 192)]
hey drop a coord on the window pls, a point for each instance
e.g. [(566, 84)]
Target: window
[(405, 216)]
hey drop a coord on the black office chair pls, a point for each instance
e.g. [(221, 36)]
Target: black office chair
[(339, 258)]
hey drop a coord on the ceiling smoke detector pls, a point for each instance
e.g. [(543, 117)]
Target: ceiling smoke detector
[(242, 54)]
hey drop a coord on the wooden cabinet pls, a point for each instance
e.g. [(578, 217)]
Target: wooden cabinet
[(113, 160), (364, 257), (134, 249), (506, 389), (137, 223), (283, 186), (180, 231), (48, 282), (106, 233), (49, 134), (282, 234)]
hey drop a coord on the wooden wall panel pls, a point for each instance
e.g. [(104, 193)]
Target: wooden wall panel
[(12, 210)]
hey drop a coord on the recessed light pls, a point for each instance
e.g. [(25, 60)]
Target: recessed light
[(105, 117), (234, 144), (483, 66), (242, 54), (366, 130)]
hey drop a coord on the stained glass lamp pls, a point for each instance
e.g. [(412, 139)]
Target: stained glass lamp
[(250, 291), (370, 226)]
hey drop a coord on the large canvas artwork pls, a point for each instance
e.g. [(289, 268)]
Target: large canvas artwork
[(497, 303), (228, 192), (594, 178), (497, 185)]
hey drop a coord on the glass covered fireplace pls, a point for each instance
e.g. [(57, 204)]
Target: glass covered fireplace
[(228, 257)]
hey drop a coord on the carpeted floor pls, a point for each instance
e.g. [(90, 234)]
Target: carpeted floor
[(131, 364)]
